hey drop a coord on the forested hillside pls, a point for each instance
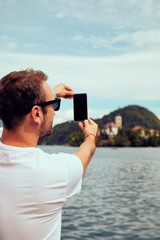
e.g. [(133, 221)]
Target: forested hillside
[(131, 116)]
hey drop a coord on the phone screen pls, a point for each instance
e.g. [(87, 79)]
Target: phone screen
[(80, 107)]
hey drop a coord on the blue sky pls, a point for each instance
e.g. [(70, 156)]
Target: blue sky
[(107, 48)]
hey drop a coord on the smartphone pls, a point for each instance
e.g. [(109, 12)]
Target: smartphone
[(80, 107)]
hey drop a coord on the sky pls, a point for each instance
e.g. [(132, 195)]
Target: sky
[(109, 49)]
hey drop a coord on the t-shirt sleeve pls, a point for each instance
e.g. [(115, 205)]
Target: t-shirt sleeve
[(74, 179), (1, 130)]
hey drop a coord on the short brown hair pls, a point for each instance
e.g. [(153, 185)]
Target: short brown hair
[(19, 92)]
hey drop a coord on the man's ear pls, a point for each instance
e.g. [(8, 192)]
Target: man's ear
[(36, 114)]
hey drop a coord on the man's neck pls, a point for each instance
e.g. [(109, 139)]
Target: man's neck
[(19, 138)]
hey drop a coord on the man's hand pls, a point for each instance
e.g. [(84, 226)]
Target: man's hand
[(88, 126), (62, 90)]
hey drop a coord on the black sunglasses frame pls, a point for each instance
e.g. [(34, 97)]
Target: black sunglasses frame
[(44, 104)]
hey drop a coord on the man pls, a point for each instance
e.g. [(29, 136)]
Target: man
[(33, 184)]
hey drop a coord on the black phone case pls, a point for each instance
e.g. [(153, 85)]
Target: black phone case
[(80, 107)]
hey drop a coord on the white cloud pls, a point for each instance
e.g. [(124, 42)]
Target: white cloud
[(132, 77), (88, 27), (85, 26), (117, 13), (146, 39), (128, 76), (96, 42), (7, 3), (132, 41)]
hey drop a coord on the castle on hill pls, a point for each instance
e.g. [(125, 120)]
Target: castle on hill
[(111, 128)]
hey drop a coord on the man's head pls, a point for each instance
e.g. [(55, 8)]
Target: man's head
[(19, 92)]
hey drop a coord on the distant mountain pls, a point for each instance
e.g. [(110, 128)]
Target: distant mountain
[(131, 116)]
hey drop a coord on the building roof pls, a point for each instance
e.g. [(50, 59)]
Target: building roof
[(136, 128)]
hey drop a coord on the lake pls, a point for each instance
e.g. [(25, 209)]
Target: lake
[(120, 197)]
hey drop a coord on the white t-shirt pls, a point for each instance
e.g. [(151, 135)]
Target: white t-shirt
[(33, 188)]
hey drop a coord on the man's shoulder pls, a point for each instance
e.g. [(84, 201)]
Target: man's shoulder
[(60, 160)]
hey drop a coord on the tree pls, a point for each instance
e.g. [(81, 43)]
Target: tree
[(153, 141), (121, 140), (76, 138)]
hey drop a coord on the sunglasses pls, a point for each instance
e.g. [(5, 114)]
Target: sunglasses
[(55, 103)]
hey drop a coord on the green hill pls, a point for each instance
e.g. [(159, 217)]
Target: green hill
[(131, 116)]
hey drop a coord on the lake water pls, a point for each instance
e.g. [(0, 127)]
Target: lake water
[(120, 197)]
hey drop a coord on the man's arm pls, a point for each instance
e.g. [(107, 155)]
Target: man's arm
[(87, 148)]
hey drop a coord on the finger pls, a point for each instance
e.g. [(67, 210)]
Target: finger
[(68, 97), (69, 93), (68, 88), (81, 125), (90, 121), (86, 122)]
